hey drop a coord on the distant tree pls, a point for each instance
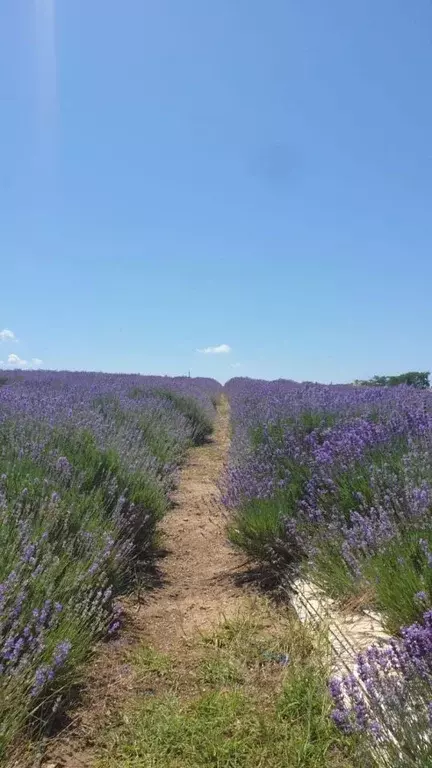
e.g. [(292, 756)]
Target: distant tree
[(417, 379)]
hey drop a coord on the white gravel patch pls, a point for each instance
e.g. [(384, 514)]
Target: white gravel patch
[(348, 633)]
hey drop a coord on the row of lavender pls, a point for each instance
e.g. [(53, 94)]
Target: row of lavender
[(87, 464), (335, 483)]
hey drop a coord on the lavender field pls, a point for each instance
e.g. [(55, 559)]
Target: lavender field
[(327, 484), (87, 466), (333, 484)]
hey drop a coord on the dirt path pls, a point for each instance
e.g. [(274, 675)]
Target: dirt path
[(196, 593)]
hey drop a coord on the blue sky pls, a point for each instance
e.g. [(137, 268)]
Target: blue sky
[(177, 176)]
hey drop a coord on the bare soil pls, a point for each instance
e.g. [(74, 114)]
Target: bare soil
[(196, 593), (198, 589)]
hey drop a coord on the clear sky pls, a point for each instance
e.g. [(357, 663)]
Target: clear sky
[(176, 176)]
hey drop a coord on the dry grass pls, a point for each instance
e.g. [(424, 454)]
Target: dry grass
[(253, 693)]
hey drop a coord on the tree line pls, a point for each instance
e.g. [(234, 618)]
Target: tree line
[(418, 379)]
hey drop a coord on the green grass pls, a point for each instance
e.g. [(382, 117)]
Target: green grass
[(147, 661), (220, 672), (231, 704)]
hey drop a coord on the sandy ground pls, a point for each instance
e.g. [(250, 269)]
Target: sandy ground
[(198, 589)]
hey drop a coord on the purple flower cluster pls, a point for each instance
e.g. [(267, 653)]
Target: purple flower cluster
[(359, 459), (45, 674), (388, 694)]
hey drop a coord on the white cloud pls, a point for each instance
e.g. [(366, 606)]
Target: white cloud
[(7, 335), (15, 360), (235, 365), (36, 362), (222, 349)]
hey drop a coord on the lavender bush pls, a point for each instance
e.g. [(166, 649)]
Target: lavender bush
[(87, 463), (388, 697), (335, 482), (340, 478)]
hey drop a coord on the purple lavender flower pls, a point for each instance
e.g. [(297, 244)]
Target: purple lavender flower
[(114, 627), (44, 674), (61, 653), (63, 466)]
